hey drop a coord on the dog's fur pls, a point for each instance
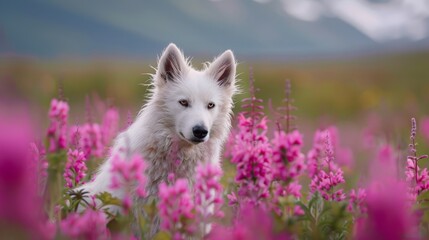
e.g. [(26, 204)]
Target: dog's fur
[(163, 131)]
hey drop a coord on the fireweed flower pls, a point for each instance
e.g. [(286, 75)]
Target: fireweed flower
[(316, 153), (21, 204), (287, 166), (109, 125), (208, 194), (357, 201), (252, 155), (57, 131), (89, 138), (388, 213), (287, 158), (176, 209), (90, 225), (75, 169), (343, 156), (126, 174), (39, 165), (418, 179), (252, 223), (92, 140), (325, 181)]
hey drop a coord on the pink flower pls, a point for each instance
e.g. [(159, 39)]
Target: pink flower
[(75, 169), (418, 180), (253, 223), (316, 153), (109, 126), (298, 211), (89, 138), (325, 181), (57, 131), (39, 165), (357, 201), (90, 225), (208, 192), (252, 155), (92, 140), (128, 173), (176, 209), (388, 213), (288, 160), (21, 203)]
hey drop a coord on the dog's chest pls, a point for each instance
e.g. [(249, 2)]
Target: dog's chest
[(170, 159)]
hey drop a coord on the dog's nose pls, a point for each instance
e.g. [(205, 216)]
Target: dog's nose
[(200, 132)]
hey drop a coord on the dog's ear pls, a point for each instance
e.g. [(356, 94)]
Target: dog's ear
[(171, 64), (222, 69)]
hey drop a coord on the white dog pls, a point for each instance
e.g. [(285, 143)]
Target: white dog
[(185, 121)]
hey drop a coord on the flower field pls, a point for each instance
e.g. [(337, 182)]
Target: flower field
[(273, 184)]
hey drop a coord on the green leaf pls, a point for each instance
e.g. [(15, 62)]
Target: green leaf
[(423, 197), (106, 198), (162, 236), (307, 213)]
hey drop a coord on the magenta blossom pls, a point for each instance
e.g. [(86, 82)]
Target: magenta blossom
[(128, 173), (89, 138), (418, 179), (21, 203), (252, 155), (176, 209), (91, 225), (92, 140), (252, 223), (109, 126), (388, 213), (57, 131), (208, 191), (208, 194), (326, 181), (288, 160), (75, 169), (316, 153), (39, 165), (357, 201), (343, 156)]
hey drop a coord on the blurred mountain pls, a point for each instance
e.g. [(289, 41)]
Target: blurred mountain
[(141, 29)]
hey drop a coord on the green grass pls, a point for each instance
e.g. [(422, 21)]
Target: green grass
[(341, 90)]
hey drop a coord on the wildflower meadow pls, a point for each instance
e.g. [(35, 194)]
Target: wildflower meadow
[(275, 181)]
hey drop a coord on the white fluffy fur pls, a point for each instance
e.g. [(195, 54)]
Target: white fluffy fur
[(162, 132)]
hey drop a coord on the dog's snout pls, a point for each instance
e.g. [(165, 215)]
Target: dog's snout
[(199, 132)]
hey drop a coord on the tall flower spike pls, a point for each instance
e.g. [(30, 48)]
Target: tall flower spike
[(57, 131), (176, 209), (252, 106), (90, 225), (208, 194), (315, 154), (252, 151), (126, 174), (109, 126), (418, 179), (285, 111), (75, 169), (325, 181)]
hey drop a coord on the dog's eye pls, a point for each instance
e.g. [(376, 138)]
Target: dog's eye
[(184, 102), (210, 105)]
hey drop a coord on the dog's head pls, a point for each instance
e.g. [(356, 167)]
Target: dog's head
[(195, 102)]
